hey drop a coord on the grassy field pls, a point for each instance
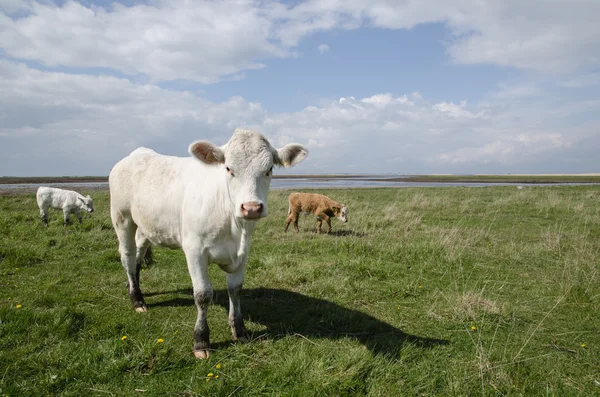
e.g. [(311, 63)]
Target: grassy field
[(426, 291)]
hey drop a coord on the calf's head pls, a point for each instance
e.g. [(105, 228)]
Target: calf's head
[(247, 162), (86, 203), (341, 213)]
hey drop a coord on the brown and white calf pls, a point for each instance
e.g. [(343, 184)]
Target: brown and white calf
[(206, 204), (322, 206)]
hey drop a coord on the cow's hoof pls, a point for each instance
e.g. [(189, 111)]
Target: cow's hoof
[(241, 337), (201, 354), (141, 309)]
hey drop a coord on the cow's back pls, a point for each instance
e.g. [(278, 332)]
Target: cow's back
[(150, 189)]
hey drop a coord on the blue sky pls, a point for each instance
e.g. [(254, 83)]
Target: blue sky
[(378, 86)]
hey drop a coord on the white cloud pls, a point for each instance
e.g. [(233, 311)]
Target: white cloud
[(323, 48), (204, 41), (164, 40), (585, 80), (60, 124), (520, 149)]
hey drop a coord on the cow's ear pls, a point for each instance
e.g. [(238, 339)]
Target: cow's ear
[(207, 152), (290, 155), (335, 210)]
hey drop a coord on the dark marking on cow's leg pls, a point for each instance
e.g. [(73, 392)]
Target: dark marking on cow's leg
[(236, 320), (201, 330), (125, 229), (319, 223), (328, 224), (135, 293), (78, 215)]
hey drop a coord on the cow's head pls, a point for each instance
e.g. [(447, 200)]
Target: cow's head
[(341, 213), (86, 203), (247, 162)]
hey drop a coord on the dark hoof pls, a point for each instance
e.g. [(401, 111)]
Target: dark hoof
[(241, 335)]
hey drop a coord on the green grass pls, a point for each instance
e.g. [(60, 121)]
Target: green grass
[(433, 291)]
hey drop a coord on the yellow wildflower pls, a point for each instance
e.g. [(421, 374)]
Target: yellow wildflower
[(217, 377), (210, 375), (123, 337), (19, 306), (218, 366), (160, 340), (420, 286), (398, 308), (473, 328), (583, 345)]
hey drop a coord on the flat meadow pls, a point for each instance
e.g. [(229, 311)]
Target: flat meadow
[(425, 291)]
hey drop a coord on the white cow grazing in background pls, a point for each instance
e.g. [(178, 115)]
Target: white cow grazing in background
[(207, 204), (69, 201)]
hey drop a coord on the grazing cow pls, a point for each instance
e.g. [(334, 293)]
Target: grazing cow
[(69, 201), (322, 206), (207, 204)]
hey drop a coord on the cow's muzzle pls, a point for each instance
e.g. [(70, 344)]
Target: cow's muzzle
[(252, 210)]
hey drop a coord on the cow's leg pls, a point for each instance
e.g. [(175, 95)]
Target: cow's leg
[(203, 291), (125, 229), (319, 223), (234, 288), (142, 243)]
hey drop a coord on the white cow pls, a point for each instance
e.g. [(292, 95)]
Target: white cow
[(69, 201), (207, 205)]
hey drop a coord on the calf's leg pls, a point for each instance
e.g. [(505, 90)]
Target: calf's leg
[(44, 216), (292, 217), (66, 217), (320, 218)]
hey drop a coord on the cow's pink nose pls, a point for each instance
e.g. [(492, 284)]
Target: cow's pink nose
[(252, 209)]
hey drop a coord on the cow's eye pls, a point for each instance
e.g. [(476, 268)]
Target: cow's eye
[(229, 170)]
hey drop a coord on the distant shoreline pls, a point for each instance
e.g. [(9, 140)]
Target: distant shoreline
[(481, 178)]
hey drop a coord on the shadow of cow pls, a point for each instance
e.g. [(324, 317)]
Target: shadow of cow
[(286, 313)]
